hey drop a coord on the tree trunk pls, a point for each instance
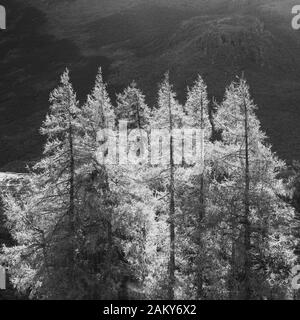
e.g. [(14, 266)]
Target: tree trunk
[(71, 197), (201, 215), (232, 280), (247, 233), (171, 209)]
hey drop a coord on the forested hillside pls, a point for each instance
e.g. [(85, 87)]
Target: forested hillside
[(216, 226)]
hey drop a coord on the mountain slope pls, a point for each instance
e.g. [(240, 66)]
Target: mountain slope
[(138, 39)]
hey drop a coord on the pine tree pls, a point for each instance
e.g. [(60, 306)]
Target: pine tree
[(217, 227), (131, 106), (100, 257), (198, 113), (259, 210), (121, 206), (169, 116), (43, 220)]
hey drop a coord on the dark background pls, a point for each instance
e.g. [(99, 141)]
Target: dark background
[(140, 40)]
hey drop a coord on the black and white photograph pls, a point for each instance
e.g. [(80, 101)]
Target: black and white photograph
[(149, 151)]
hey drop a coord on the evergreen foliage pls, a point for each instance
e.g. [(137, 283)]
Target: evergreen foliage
[(220, 227)]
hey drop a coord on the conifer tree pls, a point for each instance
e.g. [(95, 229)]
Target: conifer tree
[(43, 220), (198, 113), (132, 107), (261, 220), (114, 202), (86, 227), (169, 116), (100, 256)]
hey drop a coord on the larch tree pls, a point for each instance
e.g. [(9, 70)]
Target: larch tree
[(116, 209), (196, 107), (101, 255), (94, 219), (133, 111), (43, 220), (168, 117), (261, 220), (132, 107)]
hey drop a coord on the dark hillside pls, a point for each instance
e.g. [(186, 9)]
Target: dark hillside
[(141, 40)]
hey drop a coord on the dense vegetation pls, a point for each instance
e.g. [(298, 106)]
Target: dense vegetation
[(221, 227)]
